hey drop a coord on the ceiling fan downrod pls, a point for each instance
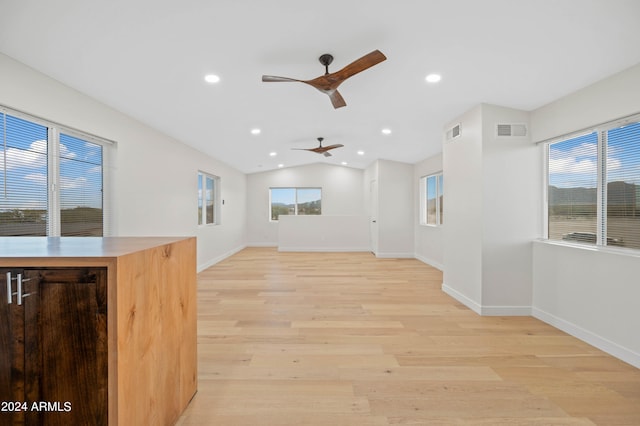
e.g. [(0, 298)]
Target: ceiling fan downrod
[(326, 60)]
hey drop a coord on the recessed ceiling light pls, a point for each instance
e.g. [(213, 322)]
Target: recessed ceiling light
[(255, 131), (386, 131), (211, 78), (344, 163), (433, 78), (273, 154), (280, 165), (360, 152)]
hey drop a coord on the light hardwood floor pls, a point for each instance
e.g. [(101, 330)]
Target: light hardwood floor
[(349, 339)]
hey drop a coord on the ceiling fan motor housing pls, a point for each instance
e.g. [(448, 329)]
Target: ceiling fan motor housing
[(326, 60)]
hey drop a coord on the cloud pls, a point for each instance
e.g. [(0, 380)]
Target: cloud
[(72, 183), (33, 158), (581, 159), (38, 178)]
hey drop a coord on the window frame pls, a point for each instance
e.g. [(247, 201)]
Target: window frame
[(202, 200), (295, 188), (54, 130), (424, 198), (602, 170)]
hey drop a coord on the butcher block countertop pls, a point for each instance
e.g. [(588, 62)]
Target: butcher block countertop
[(78, 247)]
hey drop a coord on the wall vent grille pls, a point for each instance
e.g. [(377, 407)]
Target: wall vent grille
[(511, 130), (453, 132)]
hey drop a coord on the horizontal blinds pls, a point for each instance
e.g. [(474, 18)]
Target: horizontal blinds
[(623, 186), (23, 181), (572, 192), (80, 187)]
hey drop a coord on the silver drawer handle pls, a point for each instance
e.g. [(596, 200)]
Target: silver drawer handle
[(18, 293), (19, 289), (9, 288)]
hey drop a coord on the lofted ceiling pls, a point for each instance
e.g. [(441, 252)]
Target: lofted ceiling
[(148, 59)]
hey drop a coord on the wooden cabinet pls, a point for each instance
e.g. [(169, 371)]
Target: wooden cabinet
[(104, 332), (53, 326)]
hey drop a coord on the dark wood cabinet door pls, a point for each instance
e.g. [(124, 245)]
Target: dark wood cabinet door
[(55, 360), (73, 346), (14, 403)]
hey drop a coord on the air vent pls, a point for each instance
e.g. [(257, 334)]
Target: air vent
[(511, 130), (454, 132)]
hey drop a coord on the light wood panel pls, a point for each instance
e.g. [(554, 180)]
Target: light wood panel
[(156, 333), (349, 339)]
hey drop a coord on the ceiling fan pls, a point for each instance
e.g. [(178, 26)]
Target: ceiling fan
[(329, 82), (321, 149)]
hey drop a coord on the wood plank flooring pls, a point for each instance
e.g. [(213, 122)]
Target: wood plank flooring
[(349, 339)]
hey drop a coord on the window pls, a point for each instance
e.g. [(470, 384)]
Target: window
[(295, 201), (51, 179), (432, 200), (593, 193), (208, 190)]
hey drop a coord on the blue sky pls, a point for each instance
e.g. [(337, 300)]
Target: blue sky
[(288, 195), (25, 156), (573, 163)]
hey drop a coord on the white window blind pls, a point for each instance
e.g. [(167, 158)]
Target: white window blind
[(622, 224), (572, 193), (594, 187), (23, 205), (51, 180), (80, 187)]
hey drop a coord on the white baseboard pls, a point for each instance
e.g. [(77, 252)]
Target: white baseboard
[(325, 249), (262, 244), (430, 262), (394, 255), (614, 349), (506, 311), (471, 304), (217, 259), (498, 311)]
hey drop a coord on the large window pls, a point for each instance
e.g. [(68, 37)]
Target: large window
[(208, 196), (432, 200), (593, 192), (51, 179), (295, 201)]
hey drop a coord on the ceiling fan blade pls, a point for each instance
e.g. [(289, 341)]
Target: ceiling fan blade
[(336, 99), (338, 145), (273, 78), (359, 65), (327, 154)]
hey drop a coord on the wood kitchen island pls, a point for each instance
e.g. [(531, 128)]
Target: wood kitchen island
[(98, 331)]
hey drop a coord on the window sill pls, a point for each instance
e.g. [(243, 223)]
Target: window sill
[(591, 247)]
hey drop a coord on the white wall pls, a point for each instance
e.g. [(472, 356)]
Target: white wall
[(462, 249), (342, 195), (511, 214), (492, 198), (153, 177), (428, 239), (323, 233), (607, 100), (592, 294)]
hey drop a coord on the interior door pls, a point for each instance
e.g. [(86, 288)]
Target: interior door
[(373, 225)]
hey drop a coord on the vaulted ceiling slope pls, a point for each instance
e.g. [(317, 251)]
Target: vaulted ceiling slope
[(148, 59)]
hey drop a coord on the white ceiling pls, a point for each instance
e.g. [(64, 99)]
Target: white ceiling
[(148, 58)]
